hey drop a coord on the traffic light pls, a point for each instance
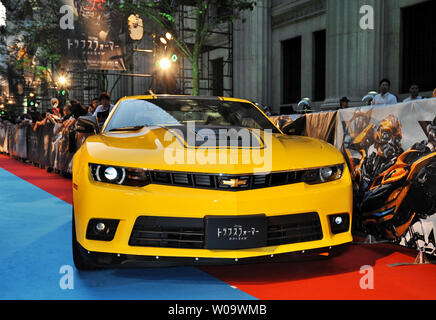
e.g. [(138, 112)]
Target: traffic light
[(3, 110), (63, 93), (174, 58), (31, 101)]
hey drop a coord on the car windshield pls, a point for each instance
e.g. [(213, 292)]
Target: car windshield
[(137, 113)]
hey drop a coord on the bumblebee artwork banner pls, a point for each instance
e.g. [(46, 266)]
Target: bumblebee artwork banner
[(391, 153)]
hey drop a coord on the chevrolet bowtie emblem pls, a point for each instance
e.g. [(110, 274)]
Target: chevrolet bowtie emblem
[(235, 183)]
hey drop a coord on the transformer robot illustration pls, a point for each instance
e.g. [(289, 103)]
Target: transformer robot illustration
[(394, 189)]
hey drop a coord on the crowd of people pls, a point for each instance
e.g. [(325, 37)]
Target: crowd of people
[(385, 97), (66, 116), (101, 106)]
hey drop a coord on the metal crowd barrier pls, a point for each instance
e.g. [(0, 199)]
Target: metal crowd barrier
[(42, 146)]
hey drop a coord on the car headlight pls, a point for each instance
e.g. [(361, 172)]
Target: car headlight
[(324, 174), (133, 177)]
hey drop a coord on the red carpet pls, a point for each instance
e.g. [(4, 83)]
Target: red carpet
[(338, 278), (334, 279), (49, 182)]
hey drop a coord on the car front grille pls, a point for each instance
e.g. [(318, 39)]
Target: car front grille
[(215, 181), (189, 233), (168, 233), (294, 229)]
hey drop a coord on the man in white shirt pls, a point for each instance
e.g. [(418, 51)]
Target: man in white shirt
[(385, 97), (414, 93), (103, 110)]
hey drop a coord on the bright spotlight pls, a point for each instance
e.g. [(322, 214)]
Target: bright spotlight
[(62, 80), (163, 40), (165, 64), (169, 36)]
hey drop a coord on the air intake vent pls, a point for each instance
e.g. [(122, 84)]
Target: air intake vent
[(259, 180), (160, 177), (168, 233), (203, 181), (294, 229), (181, 178), (188, 233)]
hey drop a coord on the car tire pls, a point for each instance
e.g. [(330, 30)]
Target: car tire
[(78, 258)]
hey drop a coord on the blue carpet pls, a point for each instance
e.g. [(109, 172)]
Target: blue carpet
[(35, 243)]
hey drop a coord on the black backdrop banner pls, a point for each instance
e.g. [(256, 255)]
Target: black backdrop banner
[(98, 38)]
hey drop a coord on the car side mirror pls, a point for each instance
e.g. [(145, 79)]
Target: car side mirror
[(87, 124)]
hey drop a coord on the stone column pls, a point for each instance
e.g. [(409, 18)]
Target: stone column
[(307, 65), (252, 55), (354, 56)]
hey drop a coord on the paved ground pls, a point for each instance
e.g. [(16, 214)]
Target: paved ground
[(35, 257)]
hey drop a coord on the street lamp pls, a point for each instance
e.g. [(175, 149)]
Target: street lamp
[(163, 40), (165, 63), (168, 37), (62, 80)]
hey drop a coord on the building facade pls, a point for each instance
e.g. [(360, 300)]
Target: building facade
[(326, 49)]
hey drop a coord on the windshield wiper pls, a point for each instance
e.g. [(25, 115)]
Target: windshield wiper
[(136, 128)]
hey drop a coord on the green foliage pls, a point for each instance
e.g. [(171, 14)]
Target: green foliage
[(32, 26), (209, 15)]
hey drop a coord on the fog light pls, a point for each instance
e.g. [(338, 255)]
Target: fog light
[(100, 227), (339, 223)]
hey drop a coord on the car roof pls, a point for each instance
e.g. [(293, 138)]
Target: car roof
[(168, 96)]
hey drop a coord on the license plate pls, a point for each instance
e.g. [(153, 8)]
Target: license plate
[(228, 233)]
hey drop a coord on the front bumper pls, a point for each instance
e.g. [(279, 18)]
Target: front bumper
[(111, 260), (125, 204)]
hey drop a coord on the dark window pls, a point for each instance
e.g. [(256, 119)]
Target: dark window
[(218, 77), (179, 111), (419, 46), (291, 53), (319, 74)]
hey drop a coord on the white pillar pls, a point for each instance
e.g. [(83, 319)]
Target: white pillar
[(354, 55), (252, 55)]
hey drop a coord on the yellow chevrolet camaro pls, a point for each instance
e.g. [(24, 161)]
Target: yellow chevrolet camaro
[(179, 180)]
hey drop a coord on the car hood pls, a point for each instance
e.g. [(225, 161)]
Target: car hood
[(162, 148)]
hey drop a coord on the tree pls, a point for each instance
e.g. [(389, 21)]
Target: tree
[(30, 40), (208, 15)]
